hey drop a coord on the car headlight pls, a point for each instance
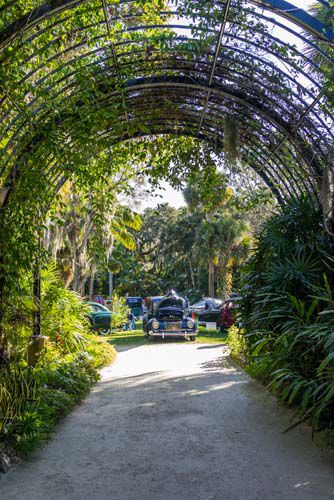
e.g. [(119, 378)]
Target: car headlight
[(155, 324), (190, 323)]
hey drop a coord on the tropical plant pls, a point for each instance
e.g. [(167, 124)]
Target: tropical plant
[(287, 310), (218, 237)]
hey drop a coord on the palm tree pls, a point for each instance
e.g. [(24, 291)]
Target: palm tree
[(218, 239), (84, 241), (325, 14)]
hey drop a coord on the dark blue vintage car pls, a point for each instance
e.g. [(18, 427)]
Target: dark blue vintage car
[(136, 306), (168, 317)]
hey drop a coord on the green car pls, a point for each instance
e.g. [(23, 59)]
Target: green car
[(100, 318)]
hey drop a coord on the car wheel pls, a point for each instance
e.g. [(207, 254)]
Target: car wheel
[(103, 331), (192, 338)]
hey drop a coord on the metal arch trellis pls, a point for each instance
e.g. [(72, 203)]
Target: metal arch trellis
[(179, 82), (313, 82), (58, 6), (256, 147), (53, 7), (164, 128)]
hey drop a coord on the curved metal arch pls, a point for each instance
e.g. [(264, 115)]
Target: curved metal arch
[(162, 129), (100, 48), (273, 174), (140, 28), (305, 90), (226, 95), (179, 82), (59, 179), (256, 145), (291, 174), (276, 104), (103, 60), (159, 26), (172, 84), (300, 54), (53, 7), (255, 90)]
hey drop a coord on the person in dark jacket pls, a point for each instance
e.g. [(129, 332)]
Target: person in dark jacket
[(131, 323)]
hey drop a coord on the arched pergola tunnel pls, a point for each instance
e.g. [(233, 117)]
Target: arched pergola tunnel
[(79, 75)]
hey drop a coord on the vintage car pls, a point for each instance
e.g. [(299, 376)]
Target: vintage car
[(200, 305), (99, 317), (150, 309), (168, 317), (219, 312), (136, 306)]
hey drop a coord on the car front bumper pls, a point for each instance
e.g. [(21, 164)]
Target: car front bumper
[(181, 333)]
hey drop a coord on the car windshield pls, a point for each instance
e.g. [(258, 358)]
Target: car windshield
[(98, 307), (200, 303), (134, 301)]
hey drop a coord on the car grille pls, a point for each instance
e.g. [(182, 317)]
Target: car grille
[(173, 326)]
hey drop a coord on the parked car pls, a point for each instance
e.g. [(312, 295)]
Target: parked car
[(100, 318), (150, 309), (199, 306), (168, 317), (219, 312), (136, 306)]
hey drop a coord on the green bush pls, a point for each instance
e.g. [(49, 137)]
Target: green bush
[(63, 313), (236, 342), (288, 311), (33, 399), (120, 312)]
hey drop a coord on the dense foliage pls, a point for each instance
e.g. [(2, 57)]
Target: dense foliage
[(196, 249), (288, 310), (32, 399)]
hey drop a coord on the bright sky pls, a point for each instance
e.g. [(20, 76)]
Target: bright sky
[(166, 194)]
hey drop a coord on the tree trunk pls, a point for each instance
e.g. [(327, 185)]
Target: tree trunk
[(192, 275), (228, 281), (37, 302), (211, 279), (91, 286)]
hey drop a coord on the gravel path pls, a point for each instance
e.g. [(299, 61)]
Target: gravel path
[(175, 421)]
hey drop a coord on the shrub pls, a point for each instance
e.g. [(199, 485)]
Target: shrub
[(236, 342), (33, 399), (120, 312), (288, 311), (63, 313)]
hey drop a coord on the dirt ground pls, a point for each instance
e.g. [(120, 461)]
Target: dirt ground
[(175, 422)]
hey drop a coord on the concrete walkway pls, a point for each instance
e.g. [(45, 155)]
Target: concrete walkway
[(175, 421)]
